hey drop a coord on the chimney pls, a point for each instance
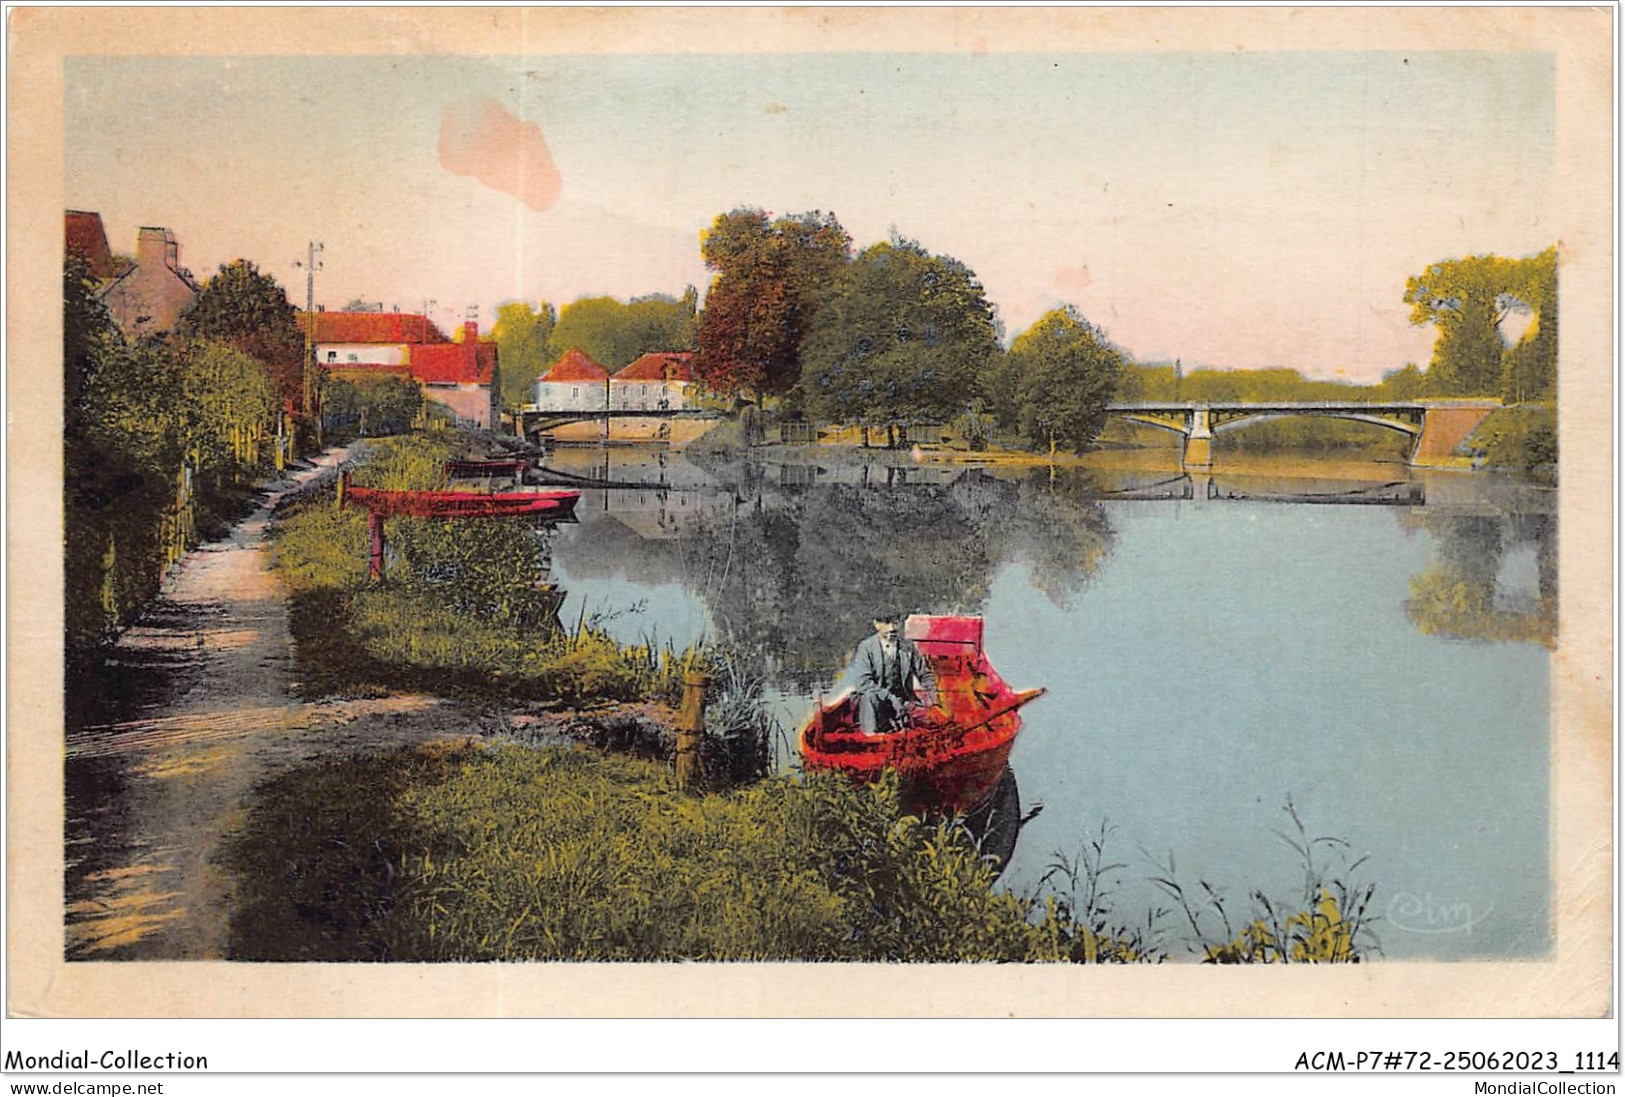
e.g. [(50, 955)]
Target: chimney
[(471, 331), (153, 247)]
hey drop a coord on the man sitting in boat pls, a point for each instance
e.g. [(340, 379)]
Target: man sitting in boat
[(890, 678)]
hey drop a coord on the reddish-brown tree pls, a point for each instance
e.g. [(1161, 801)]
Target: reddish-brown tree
[(761, 302)]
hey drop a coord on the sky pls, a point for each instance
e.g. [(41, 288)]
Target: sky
[(1229, 209)]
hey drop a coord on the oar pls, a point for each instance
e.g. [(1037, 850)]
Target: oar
[(1021, 699)]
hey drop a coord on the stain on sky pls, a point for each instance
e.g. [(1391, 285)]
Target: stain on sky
[(481, 139)]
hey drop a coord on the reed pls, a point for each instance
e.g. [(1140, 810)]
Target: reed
[(1329, 921), (1079, 895)]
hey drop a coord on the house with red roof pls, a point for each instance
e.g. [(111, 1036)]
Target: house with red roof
[(87, 238), (463, 376), (655, 382), (574, 383), (362, 339)]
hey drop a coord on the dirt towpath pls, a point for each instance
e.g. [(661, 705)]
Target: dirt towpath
[(209, 713)]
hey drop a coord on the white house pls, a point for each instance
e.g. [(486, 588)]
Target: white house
[(655, 382), (574, 383)]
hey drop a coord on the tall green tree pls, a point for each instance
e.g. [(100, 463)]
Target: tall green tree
[(89, 336), (770, 277), (522, 335), (615, 334), (1466, 300), (1529, 366), (900, 336), (250, 311), (225, 396), (1060, 374)]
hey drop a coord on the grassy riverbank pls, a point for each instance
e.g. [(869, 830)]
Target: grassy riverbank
[(481, 850), (462, 609)]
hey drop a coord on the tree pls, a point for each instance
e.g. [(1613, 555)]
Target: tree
[(522, 335), (1466, 300), (769, 279), (1062, 372), (226, 400), (615, 334), (1529, 367), (900, 336), (249, 311), (89, 335)]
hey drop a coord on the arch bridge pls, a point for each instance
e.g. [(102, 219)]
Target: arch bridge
[(1436, 427), (531, 420)]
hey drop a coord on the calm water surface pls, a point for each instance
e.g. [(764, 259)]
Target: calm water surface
[(1363, 641)]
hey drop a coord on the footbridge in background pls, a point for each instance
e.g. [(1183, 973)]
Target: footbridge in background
[(531, 419), (1436, 427)]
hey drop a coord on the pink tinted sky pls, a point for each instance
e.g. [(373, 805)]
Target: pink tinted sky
[(1229, 209)]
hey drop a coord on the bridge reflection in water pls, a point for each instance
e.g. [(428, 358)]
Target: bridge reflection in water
[(1201, 486)]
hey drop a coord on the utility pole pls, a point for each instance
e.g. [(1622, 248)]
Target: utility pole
[(312, 411)]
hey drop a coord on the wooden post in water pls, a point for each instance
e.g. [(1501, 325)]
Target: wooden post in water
[(690, 722)]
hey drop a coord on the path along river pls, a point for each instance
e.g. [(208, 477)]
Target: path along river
[(1366, 641), (198, 707)]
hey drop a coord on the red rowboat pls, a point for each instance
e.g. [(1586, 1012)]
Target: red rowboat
[(549, 506), (464, 504), (951, 758)]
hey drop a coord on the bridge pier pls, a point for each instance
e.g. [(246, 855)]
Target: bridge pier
[(1198, 453)]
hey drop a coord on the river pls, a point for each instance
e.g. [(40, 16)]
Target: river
[(1363, 641)]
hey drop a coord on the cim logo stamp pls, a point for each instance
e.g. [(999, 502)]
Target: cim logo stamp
[(1426, 914)]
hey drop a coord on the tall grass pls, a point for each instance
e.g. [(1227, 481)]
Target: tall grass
[(1081, 892), (514, 853), (408, 462), (1329, 921), (508, 852)]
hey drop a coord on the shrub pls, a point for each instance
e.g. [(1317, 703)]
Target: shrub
[(1522, 437)]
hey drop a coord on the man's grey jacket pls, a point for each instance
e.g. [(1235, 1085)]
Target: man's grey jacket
[(874, 673)]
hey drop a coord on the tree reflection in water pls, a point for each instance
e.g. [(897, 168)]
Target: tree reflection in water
[(1465, 594), (798, 573)]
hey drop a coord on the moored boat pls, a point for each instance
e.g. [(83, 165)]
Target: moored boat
[(472, 468), (557, 505), (951, 757)]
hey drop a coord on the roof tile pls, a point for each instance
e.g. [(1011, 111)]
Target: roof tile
[(372, 327), (573, 365), (660, 366)]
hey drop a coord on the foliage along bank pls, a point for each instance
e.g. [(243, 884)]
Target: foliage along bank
[(163, 439), (894, 335)]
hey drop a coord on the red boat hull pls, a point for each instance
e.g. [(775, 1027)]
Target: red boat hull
[(464, 504), (951, 758)]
